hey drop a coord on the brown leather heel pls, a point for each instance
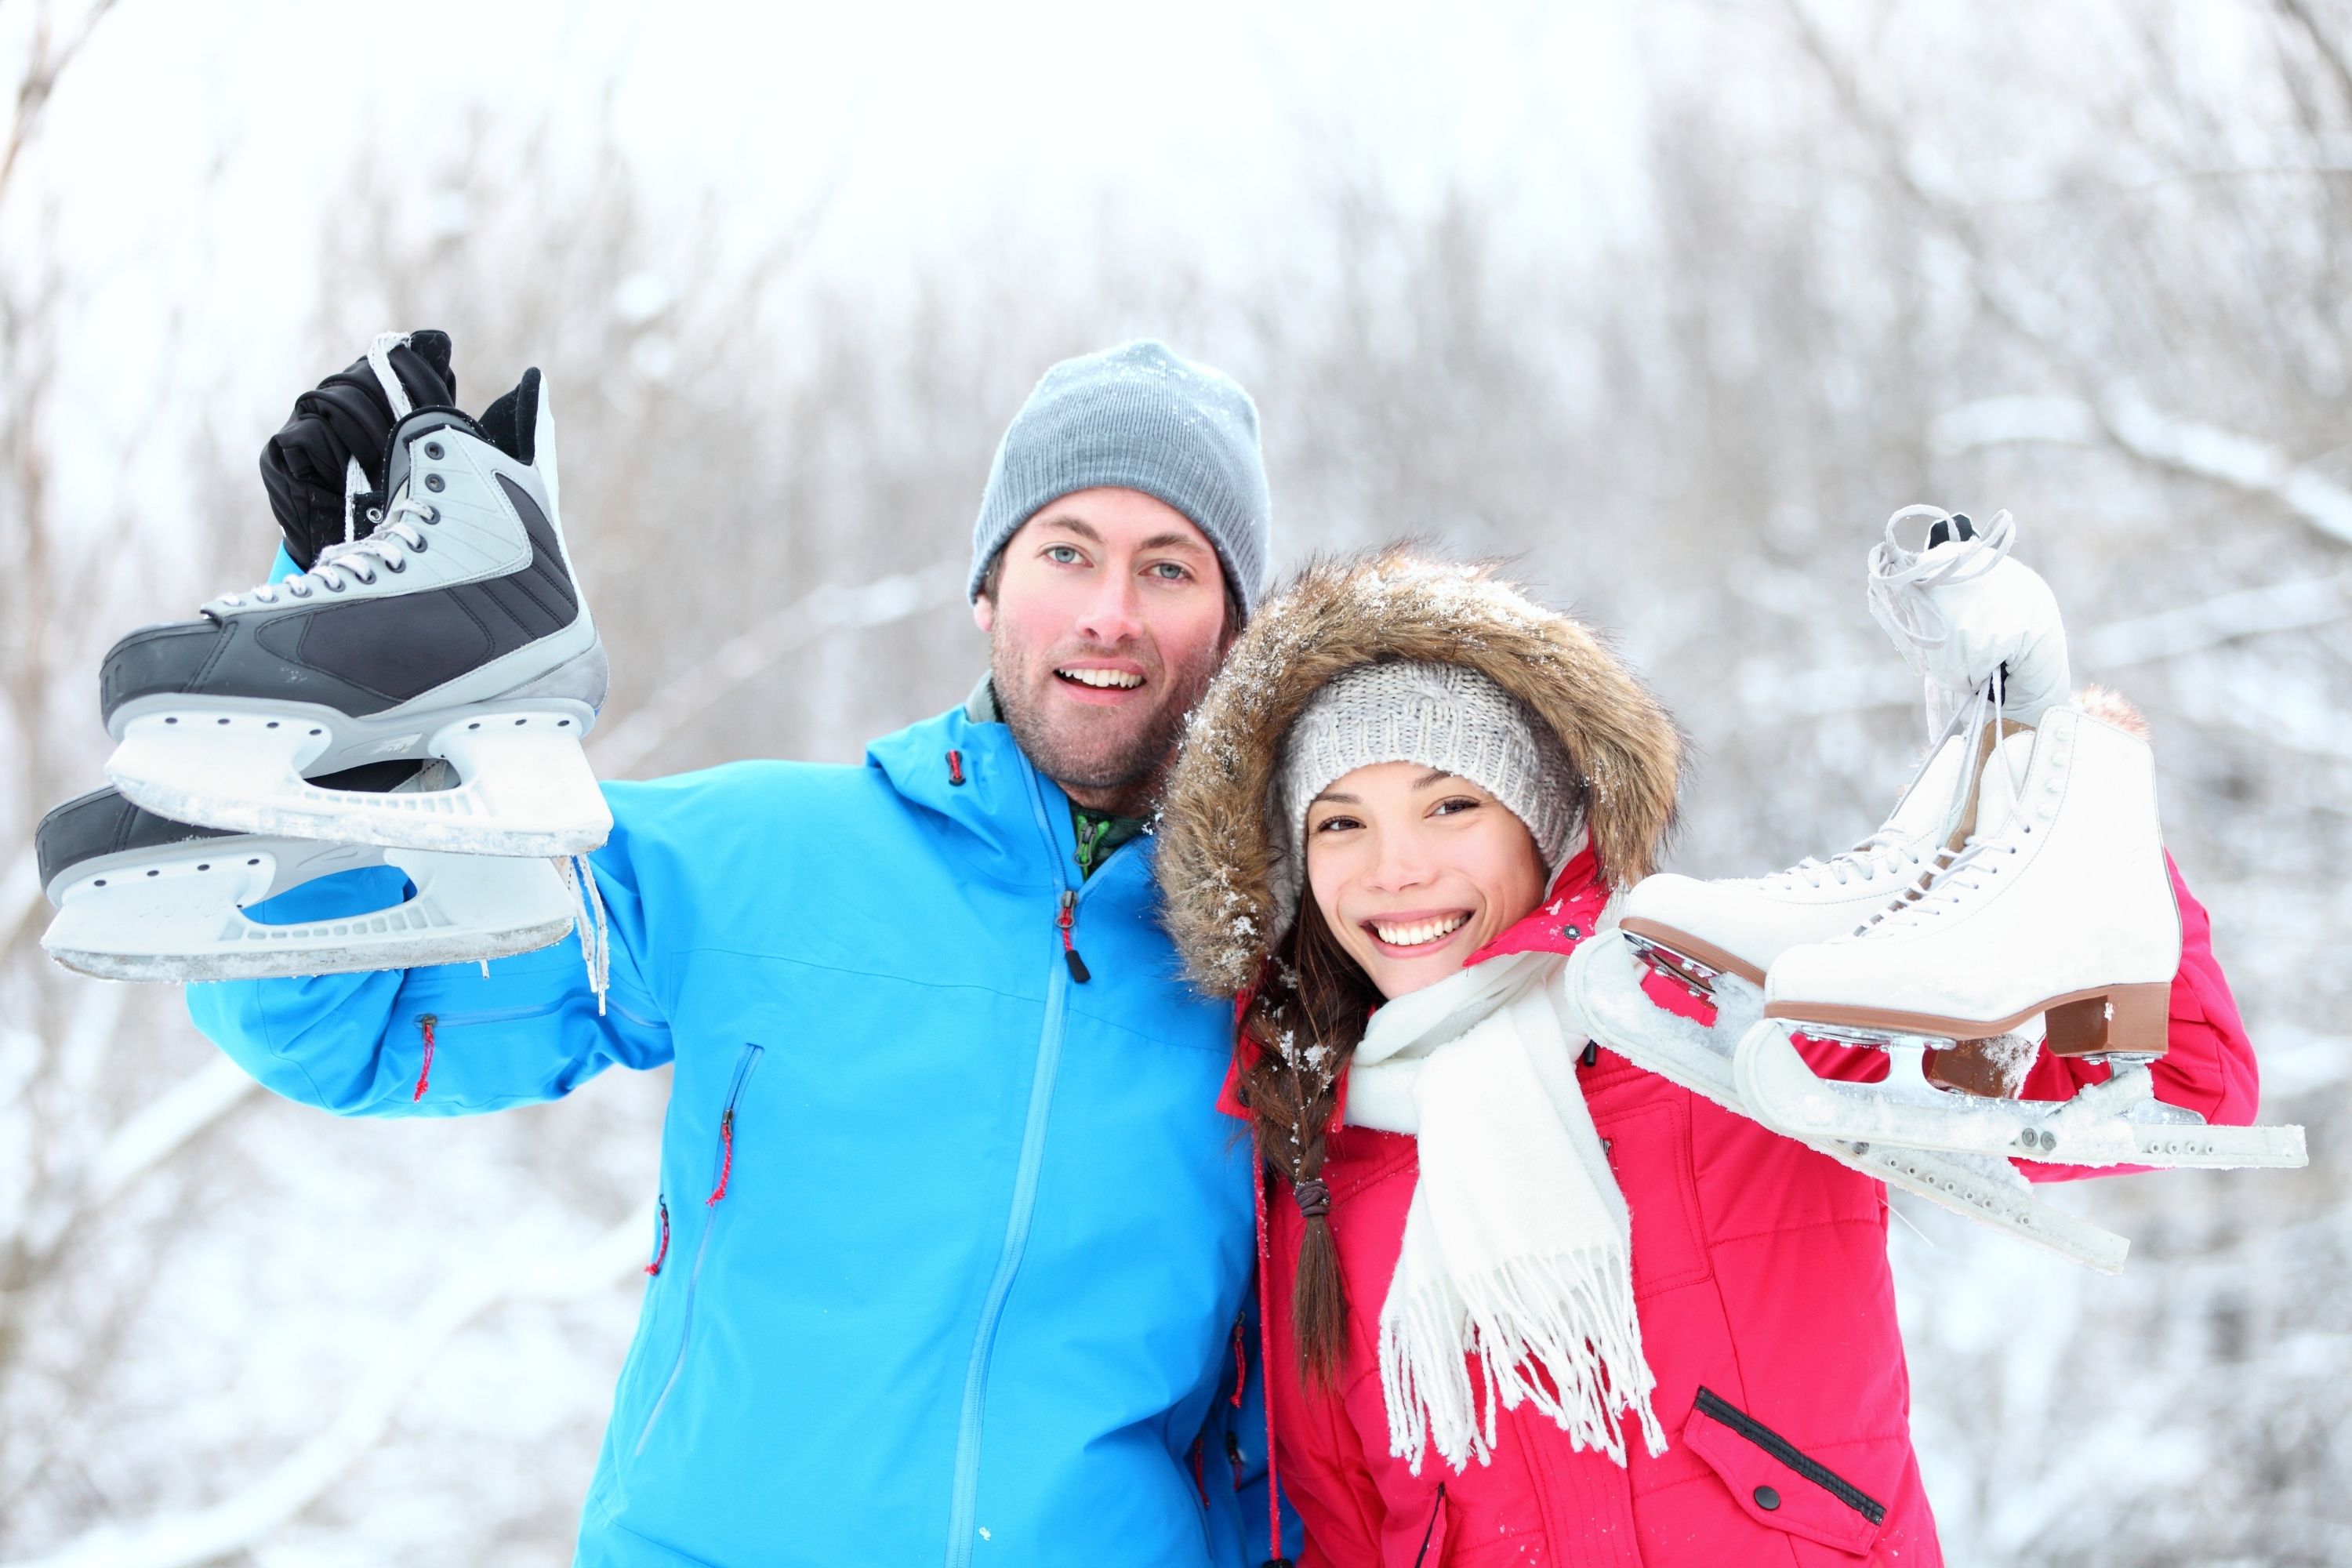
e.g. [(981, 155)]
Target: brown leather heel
[(2129, 1019)]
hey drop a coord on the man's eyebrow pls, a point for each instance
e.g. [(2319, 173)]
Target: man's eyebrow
[(1175, 541), (1083, 529)]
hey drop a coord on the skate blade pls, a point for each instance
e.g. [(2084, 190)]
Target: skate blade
[(179, 919), (1980, 1192), (526, 788), (1603, 984), (2114, 1123), (1603, 981)]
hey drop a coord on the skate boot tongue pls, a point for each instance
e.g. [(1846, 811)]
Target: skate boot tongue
[(2000, 784)]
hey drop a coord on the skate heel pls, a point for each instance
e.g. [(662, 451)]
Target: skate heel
[(2128, 1020)]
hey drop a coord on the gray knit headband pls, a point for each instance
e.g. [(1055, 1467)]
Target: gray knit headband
[(1443, 716)]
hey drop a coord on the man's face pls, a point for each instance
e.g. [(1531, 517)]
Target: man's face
[(1106, 622)]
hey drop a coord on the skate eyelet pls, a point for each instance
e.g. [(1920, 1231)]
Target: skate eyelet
[(402, 566), (367, 582), (432, 515), (375, 514), (423, 545), (433, 482), (336, 587), (299, 593), (432, 448)]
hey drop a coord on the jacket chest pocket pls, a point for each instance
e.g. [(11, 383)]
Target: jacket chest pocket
[(724, 1148), (1649, 1149)]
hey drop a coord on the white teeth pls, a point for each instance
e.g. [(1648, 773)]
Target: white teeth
[(1116, 679), (1420, 931)]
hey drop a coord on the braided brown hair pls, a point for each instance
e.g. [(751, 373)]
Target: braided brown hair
[(1305, 1023)]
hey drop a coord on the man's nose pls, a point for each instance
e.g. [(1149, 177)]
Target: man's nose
[(1109, 615)]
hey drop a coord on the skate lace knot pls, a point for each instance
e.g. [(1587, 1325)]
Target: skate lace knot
[(1901, 576)]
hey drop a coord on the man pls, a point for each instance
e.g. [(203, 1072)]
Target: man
[(953, 1242)]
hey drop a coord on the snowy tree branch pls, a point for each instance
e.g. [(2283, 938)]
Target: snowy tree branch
[(2137, 428), (621, 749), (238, 1524), (1771, 696)]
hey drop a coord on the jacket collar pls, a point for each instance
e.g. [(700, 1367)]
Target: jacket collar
[(970, 771)]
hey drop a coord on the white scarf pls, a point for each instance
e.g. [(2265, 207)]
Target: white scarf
[(1518, 1248)]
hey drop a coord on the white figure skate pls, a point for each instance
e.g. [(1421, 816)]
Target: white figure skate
[(141, 897), (1603, 983), (2061, 908), (1697, 934), (455, 631)]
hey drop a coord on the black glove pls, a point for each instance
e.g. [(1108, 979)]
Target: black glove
[(348, 415)]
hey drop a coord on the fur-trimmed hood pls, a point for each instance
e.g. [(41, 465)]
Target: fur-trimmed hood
[(1219, 841)]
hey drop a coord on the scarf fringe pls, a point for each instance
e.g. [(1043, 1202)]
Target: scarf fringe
[(1519, 1320)]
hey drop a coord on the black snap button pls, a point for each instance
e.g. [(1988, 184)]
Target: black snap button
[(432, 481), (1767, 1498)]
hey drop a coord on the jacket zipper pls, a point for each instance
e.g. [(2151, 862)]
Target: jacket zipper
[(965, 1496), (723, 1163)]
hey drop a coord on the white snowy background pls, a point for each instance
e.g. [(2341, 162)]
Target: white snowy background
[(1672, 301)]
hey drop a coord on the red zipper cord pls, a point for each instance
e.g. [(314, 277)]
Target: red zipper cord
[(955, 767), (726, 1160), (1266, 1370), (1241, 1363), (1063, 922), (425, 1072), (663, 1251)]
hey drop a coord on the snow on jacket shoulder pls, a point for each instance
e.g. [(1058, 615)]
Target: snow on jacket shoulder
[(952, 1246)]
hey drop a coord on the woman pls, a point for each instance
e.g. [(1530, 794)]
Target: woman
[(1523, 1302)]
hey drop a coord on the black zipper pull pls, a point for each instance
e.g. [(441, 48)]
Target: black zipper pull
[(1069, 949)]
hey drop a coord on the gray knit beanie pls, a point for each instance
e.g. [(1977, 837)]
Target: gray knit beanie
[(1138, 418), (1443, 716)]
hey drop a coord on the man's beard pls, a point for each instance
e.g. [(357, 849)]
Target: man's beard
[(1115, 758)]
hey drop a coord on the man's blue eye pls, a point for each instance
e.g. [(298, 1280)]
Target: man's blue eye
[(1171, 571), (1065, 553)]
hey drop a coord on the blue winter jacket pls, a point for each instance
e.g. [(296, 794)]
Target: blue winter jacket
[(952, 1245)]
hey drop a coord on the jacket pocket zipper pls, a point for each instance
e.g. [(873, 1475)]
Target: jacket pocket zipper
[(1716, 1407), (722, 1168), (661, 1246)]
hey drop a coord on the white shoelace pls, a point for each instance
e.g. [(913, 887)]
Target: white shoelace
[(1954, 874), (1885, 850), (394, 536), (1901, 576), (596, 940)]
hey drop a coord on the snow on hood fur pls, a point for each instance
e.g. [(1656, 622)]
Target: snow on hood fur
[(1219, 841)]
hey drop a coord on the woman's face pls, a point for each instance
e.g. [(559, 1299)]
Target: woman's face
[(1414, 871)]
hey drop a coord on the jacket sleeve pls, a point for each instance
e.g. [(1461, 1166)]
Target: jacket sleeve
[(448, 1040), (2207, 1066)]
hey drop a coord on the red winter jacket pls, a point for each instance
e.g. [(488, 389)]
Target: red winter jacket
[(1768, 1316)]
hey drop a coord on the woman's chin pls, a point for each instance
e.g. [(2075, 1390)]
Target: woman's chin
[(1397, 975)]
